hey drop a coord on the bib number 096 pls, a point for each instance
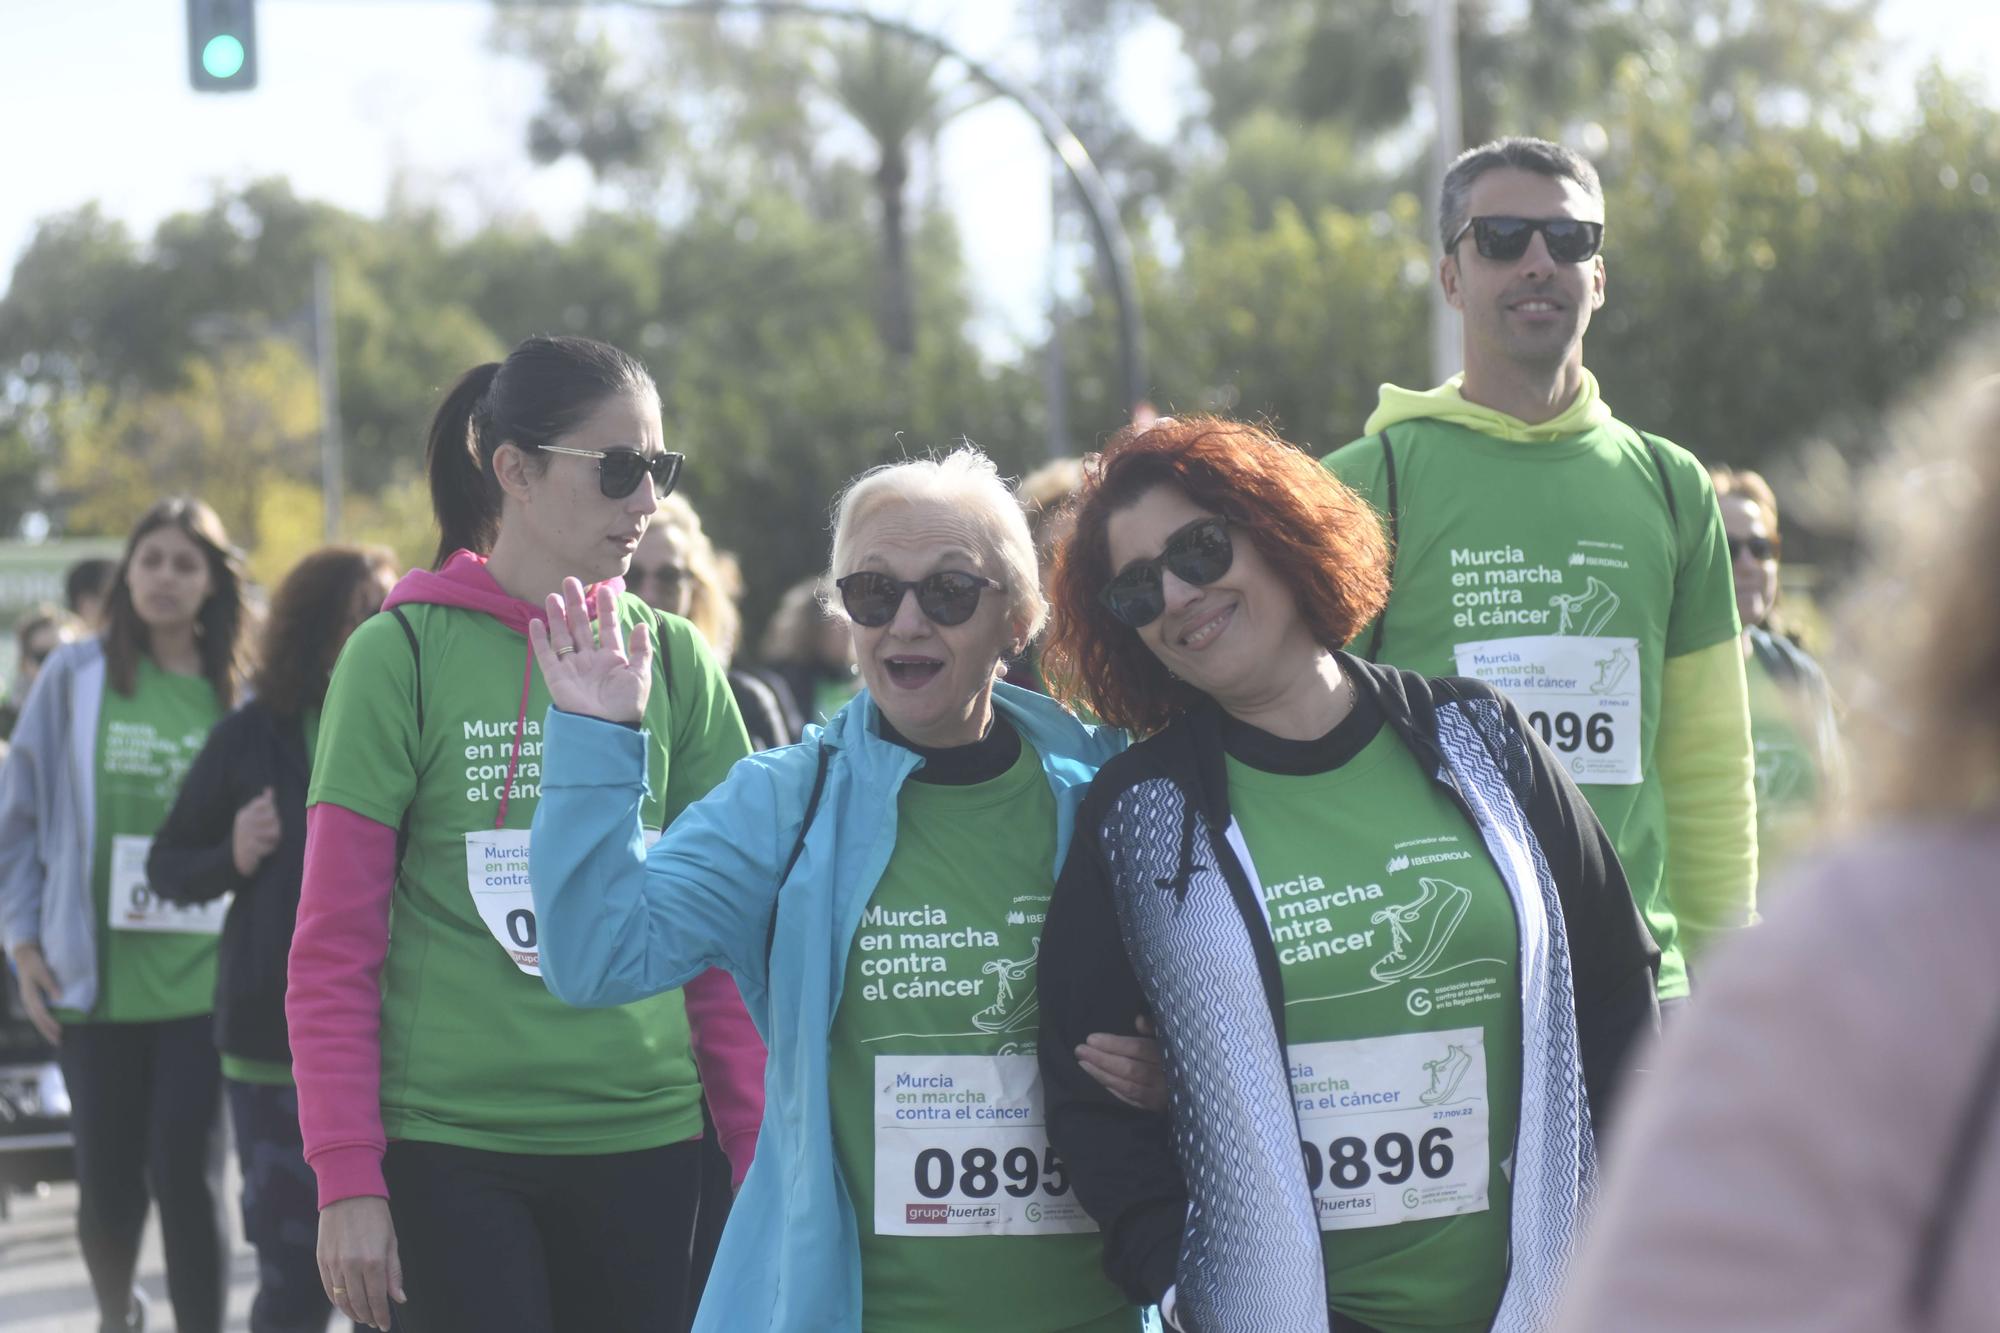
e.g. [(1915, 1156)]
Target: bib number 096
[(1567, 731), (977, 1172), (1348, 1165)]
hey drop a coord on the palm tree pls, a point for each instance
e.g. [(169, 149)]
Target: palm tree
[(888, 86)]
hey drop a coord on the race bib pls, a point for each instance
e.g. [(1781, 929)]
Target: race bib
[(961, 1149), (1393, 1128), (496, 871), (1580, 694), (134, 906)]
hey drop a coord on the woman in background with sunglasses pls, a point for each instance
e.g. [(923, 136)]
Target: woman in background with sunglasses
[(503, 1160), (1801, 764), (878, 891), (1391, 956)]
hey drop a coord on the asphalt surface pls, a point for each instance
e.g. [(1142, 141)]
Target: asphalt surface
[(43, 1287)]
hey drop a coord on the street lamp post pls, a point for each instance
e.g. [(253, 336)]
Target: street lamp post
[(1113, 246)]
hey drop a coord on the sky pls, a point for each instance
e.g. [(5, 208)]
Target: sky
[(358, 97)]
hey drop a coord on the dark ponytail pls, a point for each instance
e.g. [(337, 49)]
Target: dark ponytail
[(464, 495), (545, 388)]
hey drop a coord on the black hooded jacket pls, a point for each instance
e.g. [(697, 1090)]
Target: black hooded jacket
[(192, 861)]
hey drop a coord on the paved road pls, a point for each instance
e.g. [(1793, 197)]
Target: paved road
[(43, 1288)]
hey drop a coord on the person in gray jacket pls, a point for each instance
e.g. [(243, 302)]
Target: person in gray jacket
[(120, 979)]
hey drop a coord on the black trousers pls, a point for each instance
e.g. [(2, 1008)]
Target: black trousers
[(280, 1209), (717, 1193), (146, 1111), (534, 1244)]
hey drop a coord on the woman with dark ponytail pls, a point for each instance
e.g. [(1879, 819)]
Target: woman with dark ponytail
[(486, 1156)]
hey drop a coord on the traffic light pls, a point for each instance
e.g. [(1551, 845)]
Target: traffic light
[(222, 45)]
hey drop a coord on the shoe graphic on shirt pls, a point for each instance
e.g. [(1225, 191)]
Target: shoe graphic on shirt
[(1014, 1005), (1419, 930), (1446, 1075), (1585, 612), (1611, 670)]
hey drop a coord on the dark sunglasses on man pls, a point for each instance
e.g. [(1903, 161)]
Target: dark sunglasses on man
[(1570, 240), (1760, 548), (619, 470), (1197, 554), (948, 597)]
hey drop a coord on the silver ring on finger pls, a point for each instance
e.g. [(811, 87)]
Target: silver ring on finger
[(565, 650)]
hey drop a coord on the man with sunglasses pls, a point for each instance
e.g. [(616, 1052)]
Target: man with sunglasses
[(1572, 560)]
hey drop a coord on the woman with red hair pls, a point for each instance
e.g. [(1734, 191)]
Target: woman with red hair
[(1393, 963)]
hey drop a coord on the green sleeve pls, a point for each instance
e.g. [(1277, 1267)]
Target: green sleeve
[(708, 736), (1704, 606), (1708, 776), (366, 760)]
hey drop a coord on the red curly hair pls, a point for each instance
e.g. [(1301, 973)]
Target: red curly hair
[(1318, 536)]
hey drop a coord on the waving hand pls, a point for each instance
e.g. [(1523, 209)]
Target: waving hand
[(588, 670)]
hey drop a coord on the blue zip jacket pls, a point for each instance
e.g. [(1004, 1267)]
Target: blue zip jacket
[(617, 923)]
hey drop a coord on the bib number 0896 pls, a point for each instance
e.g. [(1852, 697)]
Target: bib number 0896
[(1567, 731), (1347, 1162), (977, 1173)]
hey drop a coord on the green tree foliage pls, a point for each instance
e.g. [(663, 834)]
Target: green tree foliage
[(1784, 257), (756, 317)]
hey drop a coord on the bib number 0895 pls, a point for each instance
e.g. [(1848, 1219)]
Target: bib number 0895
[(1567, 731), (1347, 1163), (978, 1171)]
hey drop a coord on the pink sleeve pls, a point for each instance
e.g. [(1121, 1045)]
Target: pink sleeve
[(730, 1055), (333, 1003)]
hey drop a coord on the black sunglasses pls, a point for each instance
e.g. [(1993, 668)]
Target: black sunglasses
[(619, 470), (948, 597), (668, 576), (1199, 553), (1760, 548), (1570, 240)]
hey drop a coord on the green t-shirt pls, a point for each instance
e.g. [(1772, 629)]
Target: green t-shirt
[(966, 1216), (155, 960), (1788, 785), (475, 1051), (1398, 954), (1551, 570), (273, 1073)]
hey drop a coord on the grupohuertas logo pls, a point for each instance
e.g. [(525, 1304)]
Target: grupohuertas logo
[(1420, 929)]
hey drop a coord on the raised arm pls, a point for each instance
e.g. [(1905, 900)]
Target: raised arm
[(618, 923)]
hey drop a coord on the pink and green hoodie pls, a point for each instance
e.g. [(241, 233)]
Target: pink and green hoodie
[(408, 1018)]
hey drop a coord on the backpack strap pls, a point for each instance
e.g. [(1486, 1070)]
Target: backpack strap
[(1944, 1220), (812, 807), (417, 676), (653, 621), (1395, 519)]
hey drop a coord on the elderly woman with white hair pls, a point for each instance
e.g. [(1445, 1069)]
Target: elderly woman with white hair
[(878, 891)]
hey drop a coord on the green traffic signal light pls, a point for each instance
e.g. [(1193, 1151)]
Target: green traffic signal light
[(222, 45), (222, 57)]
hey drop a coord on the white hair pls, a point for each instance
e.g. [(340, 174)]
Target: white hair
[(966, 482)]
